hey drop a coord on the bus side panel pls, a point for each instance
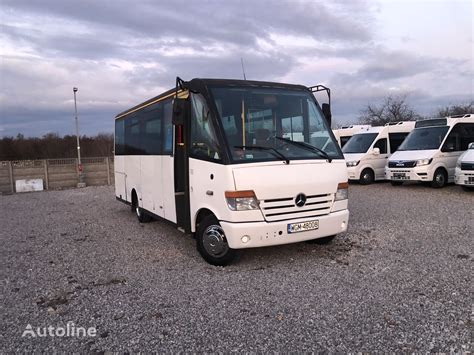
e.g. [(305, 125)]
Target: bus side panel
[(119, 174), (132, 177), (167, 179), (207, 184), (151, 187)]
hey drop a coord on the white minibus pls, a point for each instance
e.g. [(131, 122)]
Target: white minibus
[(431, 151), (236, 163), (464, 172), (344, 133), (367, 152)]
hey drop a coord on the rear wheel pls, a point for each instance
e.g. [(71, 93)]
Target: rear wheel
[(211, 242), (366, 177), (396, 183), (440, 178), (139, 212), (322, 241)]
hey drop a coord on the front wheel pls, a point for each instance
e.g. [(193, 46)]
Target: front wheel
[(440, 178), (212, 243), (367, 177)]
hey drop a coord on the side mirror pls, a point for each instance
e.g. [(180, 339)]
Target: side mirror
[(327, 112), (376, 151), (471, 145), (180, 111)]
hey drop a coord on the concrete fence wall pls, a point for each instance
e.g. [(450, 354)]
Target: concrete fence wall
[(56, 173)]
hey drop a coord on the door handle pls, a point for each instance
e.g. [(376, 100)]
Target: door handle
[(209, 192)]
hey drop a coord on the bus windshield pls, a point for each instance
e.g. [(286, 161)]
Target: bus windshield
[(359, 143), (425, 138), (263, 124)]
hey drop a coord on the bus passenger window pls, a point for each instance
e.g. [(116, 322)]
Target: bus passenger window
[(168, 128), (204, 143)]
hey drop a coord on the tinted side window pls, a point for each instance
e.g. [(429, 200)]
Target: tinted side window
[(119, 137), (382, 145), (151, 129), (396, 139), (344, 140), (459, 138), (132, 136), (168, 128)]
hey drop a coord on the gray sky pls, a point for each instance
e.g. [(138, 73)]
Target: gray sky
[(119, 53)]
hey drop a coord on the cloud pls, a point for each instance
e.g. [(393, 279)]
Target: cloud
[(120, 53)]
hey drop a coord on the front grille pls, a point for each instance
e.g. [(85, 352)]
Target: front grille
[(402, 164), (467, 166), (281, 209)]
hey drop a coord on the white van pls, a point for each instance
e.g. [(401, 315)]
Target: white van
[(431, 151), (464, 172), (366, 153), (344, 133)]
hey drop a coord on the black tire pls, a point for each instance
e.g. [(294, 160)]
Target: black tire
[(367, 177), (322, 241), (142, 216), (212, 244), (440, 178), (396, 183)]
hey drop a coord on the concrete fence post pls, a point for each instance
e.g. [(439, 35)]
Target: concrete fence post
[(46, 177), (108, 170), (10, 173)]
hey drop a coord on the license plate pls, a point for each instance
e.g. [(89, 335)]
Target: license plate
[(303, 226), (469, 181), (400, 176)]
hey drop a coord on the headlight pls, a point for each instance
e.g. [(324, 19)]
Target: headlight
[(342, 192), (352, 163), (241, 200), (422, 162)]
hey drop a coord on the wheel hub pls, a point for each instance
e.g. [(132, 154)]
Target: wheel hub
[(214, 241)]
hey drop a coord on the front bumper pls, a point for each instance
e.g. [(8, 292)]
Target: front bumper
[(418, 173), (353, 173), (262, 234), (464, 177)]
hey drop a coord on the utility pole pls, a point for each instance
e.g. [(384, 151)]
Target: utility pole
[(81, 182)]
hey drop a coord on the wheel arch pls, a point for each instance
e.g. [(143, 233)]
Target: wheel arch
[(199, 216)]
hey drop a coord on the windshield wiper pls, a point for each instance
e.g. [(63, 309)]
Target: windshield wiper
[(272, 150), (308, 147)]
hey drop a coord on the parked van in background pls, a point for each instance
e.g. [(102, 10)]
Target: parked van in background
[(464, 172), (344, 133), (366, 153), (431, 151)]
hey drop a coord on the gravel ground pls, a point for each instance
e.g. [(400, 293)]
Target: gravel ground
[(400, 279)]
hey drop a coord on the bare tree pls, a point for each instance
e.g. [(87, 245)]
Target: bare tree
[(453, 110), (392, 109)]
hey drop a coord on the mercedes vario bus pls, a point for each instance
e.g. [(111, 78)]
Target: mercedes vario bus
[(239, 164), (344, 133), (464, 172), (367, 152), (431, 151)]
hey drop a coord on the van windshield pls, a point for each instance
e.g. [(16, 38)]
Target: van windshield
[(262, 124), (359, 143), (425, 138)]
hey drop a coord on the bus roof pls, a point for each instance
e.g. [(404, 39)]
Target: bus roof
[(199, 84)]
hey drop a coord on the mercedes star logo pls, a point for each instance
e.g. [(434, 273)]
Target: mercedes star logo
[(300, 200)]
